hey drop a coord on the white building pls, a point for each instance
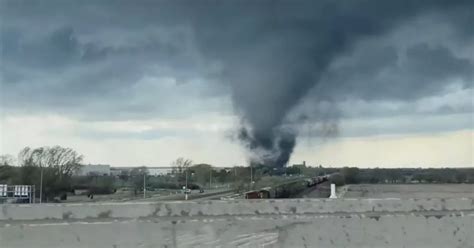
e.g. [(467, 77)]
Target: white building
[(159, 171), (152, 171)]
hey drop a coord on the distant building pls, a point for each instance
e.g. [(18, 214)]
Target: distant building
[(117, 171), (95, 170), (155, 171), (152, 171), (302, 165)]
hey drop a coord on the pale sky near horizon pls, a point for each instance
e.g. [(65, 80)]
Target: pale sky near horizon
[(380, 84)]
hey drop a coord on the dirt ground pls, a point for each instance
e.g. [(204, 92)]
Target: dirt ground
[(408, 191)]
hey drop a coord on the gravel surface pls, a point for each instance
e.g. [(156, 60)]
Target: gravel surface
[(322, 190)]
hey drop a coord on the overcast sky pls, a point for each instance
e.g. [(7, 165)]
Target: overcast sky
[(130, 83)]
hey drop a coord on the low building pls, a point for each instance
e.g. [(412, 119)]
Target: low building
[(152, 171), (117, 172), (156, 171), (95, 170)]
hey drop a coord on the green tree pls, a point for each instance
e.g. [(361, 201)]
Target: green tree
[(202, 174), (225, 175), (337, 179), (137, 176), (8, 173), (293, 170), (461, 177), (350, 175)]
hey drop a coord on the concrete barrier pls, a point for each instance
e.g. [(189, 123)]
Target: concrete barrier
[(243, 223)]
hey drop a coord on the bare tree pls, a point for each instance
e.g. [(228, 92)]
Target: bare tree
[(25, 157), (55, 165), (7, 160), (180, 165), (64, 161)]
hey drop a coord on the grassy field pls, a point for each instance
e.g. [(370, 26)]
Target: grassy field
[(407, 191)]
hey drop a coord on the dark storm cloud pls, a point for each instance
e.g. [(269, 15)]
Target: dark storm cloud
[(58, 71), (285, 51), (270, 54), (437, 63), (423, 71)]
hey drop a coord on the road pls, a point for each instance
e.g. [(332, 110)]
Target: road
[(195, 195)]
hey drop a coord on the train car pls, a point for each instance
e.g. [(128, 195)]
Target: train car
[(252, 195), (310, 182), (267, 192)]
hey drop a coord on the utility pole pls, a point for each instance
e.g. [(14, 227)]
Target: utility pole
[(251, 177), (144, 185), (235, 177), (186, 187), (41, 185), (210, 179)]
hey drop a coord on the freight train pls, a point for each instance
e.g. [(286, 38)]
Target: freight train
[(313, 181), (285, 190)]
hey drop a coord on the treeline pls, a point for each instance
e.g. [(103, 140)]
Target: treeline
[(56, 167), (353, 175), (49, 169), (430, 175), (195, 176)]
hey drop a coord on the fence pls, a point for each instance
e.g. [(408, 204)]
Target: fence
[(17, 193)]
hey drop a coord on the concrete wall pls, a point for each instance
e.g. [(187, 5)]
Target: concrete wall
[(252, 223)]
